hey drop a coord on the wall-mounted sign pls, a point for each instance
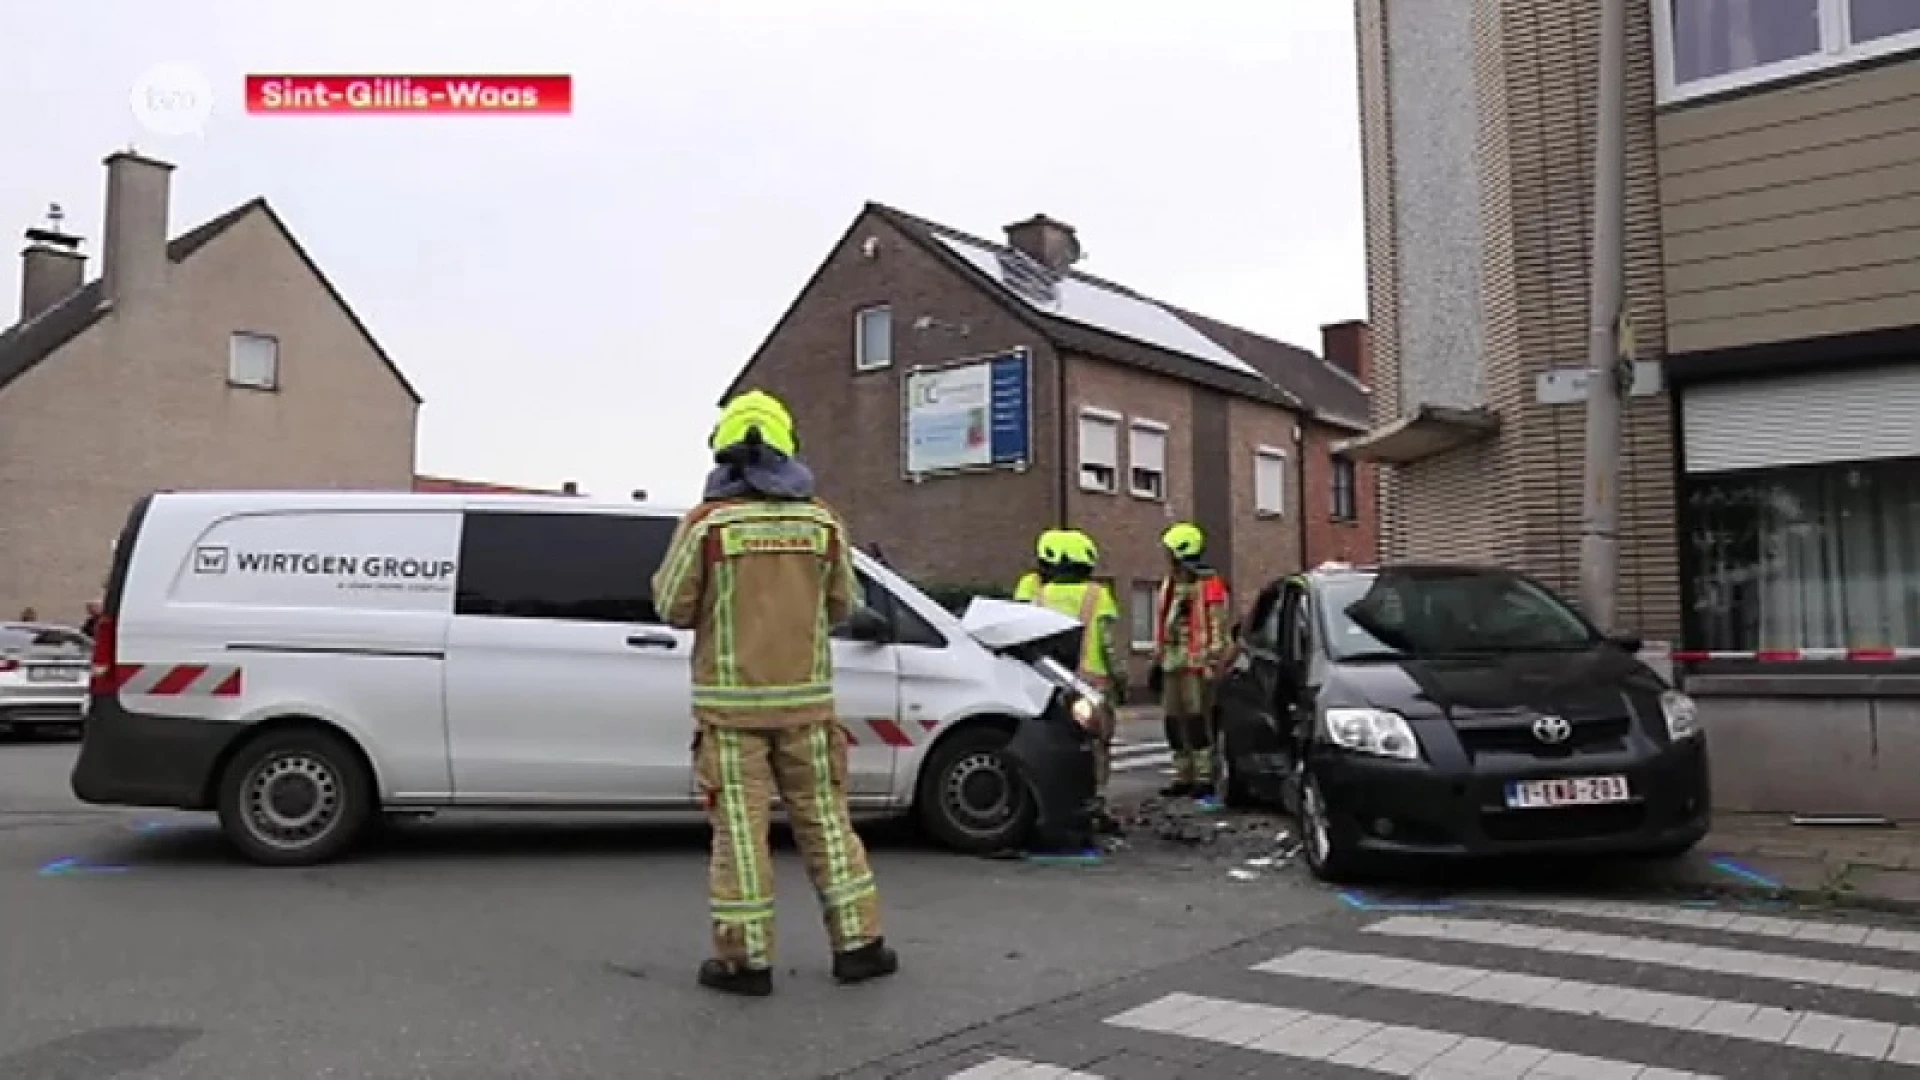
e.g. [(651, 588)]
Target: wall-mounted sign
[(973, 414)]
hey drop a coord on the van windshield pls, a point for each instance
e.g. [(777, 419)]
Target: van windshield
[(1431, 612)]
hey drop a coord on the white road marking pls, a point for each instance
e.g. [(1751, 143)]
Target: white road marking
[(1392, 1049), (1001, 1068), (1844, 1035), (1140, 761), (1727, 922), (1715, 959)]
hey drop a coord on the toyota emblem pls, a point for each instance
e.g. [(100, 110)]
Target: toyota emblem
[(1552, 730)]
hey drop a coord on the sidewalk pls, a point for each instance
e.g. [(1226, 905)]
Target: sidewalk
[(1767, 856)]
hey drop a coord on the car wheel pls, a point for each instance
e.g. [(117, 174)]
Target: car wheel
[(295, 797), (969, 796), (1330, 855)]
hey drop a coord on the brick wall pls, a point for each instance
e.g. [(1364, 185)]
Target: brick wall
[(970, 529)]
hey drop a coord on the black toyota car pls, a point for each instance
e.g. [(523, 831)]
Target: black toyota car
[(1454, 711)]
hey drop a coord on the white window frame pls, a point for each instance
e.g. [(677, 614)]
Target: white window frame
[(1156, 489), (863, 359), (1262, 455), (1140, 592), (1837, 49), (1113, 421), (248, 380)]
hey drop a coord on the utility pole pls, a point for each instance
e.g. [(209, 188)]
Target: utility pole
[(1600, 519)]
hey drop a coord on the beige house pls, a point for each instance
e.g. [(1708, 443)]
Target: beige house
[(219, 358), (1770, 495)]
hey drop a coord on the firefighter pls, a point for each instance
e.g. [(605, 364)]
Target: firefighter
[(1071, 590), (1190, 639), (1047, 553), (759, 571)]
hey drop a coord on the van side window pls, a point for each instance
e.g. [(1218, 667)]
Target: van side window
[(578, 567), (908, 627)]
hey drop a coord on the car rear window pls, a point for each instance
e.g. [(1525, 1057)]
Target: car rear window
[(23, 638)]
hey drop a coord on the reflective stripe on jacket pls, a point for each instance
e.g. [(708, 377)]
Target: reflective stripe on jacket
[(760, 583)]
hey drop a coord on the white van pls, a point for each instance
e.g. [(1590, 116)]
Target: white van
[(303, 662)]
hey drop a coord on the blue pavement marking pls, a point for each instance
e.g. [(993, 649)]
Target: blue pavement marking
[(1744, 873), (1360, 901), (69, 867), (1068, 858)]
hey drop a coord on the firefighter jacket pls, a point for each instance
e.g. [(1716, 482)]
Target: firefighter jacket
[(1191, 631), (760, 582), (1092, 604)]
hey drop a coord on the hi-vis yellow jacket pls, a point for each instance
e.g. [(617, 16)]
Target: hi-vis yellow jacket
[(761, 583)]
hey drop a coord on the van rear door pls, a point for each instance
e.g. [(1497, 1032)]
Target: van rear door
[(563, 687)]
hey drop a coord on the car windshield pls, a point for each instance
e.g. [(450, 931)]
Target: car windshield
[(1437, 612)]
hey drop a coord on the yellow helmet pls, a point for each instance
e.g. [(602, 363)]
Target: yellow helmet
[(1184, 540), (751, 412), (1054, 546), (1081, 548)]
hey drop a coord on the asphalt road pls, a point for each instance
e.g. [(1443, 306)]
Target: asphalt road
[(490, 948)]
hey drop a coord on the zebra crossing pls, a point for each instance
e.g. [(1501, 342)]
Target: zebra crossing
[(1522, 989), (1133, 754)]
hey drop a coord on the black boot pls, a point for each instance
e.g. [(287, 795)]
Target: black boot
[(717, 974), (1105, 825), (1179, 789), (1202, 791), (870, 961)]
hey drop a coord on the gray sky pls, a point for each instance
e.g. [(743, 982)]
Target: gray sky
[(569, 293)]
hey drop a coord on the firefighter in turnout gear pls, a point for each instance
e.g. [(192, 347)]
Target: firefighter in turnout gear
[(1191, 636), (1070, 590), (1048, 552), (759, 571)]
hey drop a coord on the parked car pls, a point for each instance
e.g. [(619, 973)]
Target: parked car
[(43, 677), (301, 662), (1454, 711)]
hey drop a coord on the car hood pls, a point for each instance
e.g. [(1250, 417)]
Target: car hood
[(1001, 625), (1590, 682)]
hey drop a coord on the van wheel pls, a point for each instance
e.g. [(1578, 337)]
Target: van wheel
[(295, 797), (969, 797)]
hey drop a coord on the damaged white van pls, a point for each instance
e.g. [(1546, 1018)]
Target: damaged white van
[(303, 663)]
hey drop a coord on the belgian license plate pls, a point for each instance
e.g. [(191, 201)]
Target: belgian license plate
[(1570, 791), (53, 674)]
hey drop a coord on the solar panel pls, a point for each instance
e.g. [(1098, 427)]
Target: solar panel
[(1027, 276)]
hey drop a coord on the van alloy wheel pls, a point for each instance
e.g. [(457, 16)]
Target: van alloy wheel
[(979, 793), (292, 800)]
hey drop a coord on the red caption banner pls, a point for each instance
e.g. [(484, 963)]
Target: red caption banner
[(395, 95)]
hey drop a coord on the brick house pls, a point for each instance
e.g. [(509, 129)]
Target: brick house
[(1770, 456), (1104, 410), (220, 358)]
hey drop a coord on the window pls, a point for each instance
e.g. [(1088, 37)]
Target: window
[(1143, 603), (1345, 501), (580, 567), (909, 628), (1099, 451), (1263, 622), (1269, 482), (1147, 460), (1811, 557), (872, 338), (1711, 46), (253, 361)]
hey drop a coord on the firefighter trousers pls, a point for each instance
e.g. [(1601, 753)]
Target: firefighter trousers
[(740, 770), (1189, 728)]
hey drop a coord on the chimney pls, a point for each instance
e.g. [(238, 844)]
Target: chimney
[(1053, 244), (51, 269), (1349, 347), (134, 251)]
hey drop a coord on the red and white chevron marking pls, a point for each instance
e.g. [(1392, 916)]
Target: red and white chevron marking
[(175, 680), (1788, 655), (886, 731)]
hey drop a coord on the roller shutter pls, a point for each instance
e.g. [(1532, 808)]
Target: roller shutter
[(1858, 415)]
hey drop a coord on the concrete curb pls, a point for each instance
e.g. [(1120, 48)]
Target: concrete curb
[(1700, 879)]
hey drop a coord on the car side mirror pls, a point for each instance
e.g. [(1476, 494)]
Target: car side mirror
[(1627, 642), (866, 624)]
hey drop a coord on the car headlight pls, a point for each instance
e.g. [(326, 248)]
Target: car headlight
[(1083, 713), (1683, 720), (1373, 731)]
